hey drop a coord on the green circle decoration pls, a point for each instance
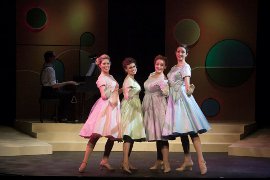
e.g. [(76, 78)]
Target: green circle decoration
[(229, 63), (87, 39), (210, 107), (187, 31), (36, 18)]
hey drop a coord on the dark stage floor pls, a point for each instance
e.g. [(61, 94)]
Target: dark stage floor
[(220, 165)]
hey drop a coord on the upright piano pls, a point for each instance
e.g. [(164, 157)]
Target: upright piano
[(86, 94)]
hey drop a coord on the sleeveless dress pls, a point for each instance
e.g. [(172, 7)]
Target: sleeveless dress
[(183, 115), (131, 111), (154, 106), (105, 116)]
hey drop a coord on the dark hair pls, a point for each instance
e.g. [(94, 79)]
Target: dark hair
[(48, 54), (164, 58), (127, 61), (183, 46)]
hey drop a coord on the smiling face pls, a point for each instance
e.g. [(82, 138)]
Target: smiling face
[(181, 54), (131, 69), (160, 66), (105, 66)]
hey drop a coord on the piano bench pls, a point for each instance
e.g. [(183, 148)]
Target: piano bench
[(45, 105)]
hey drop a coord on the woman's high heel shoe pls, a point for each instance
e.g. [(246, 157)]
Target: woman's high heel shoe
[(158, 164), (106, 166), (167, 167), (82, 167), (125, 168), (131, 167), (185, 166), (203, 167)]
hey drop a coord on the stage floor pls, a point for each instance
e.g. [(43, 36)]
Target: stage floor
[(66, 163), (220, 165)]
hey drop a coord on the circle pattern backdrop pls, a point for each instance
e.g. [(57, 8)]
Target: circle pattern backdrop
[(210, 107), (87, 39), (229, 63), (187, 31), (36, 18)]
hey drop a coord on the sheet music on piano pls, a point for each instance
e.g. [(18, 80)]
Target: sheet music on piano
[(91, 69)]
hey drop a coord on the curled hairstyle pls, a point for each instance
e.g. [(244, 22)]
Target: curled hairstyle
[(183, 46), (101, 58), (127, 61), (163, 58)]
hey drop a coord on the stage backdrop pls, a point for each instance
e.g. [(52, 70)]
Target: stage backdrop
[(221, 36), (222, 39)]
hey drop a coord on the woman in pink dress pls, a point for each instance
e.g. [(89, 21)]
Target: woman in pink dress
[(104, 117)]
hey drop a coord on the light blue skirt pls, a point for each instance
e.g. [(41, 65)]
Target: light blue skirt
[(183, 116)]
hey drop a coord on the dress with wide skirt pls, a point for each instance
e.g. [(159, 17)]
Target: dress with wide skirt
[(131, 111), (183, 115), (105, 116)]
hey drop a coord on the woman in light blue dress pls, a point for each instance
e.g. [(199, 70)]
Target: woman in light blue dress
[(183, 115)]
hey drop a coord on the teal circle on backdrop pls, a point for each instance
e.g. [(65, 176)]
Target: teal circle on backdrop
[(229, 63), (87, 39), (36, 18), (187, 31), (210, 107)]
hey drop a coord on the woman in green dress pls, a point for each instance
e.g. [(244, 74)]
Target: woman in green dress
[(131, 113)]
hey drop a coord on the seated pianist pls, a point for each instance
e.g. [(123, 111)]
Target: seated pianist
[(52, 89)]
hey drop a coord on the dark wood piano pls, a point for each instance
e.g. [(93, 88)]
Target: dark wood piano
[(86, 94)]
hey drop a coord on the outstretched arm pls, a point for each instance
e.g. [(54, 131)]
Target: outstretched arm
[(58, 85)]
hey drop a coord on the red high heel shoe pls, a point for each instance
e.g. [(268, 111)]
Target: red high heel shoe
[(82, 167)]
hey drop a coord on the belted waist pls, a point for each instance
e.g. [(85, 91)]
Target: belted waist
[(175, 83), (136, 95)]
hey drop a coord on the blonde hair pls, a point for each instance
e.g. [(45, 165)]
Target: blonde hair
[(101, 58)]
